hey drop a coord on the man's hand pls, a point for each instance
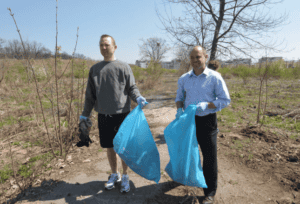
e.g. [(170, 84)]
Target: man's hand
[(179, 112), (141, 101), (82, 118), (202, 106), (86, 119)]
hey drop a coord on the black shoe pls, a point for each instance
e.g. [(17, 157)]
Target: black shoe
[(81, 144)]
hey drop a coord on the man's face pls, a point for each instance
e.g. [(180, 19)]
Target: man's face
[(107, 47), (197, 58)]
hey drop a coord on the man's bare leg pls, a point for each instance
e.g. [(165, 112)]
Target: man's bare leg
[(125, 167), (112, 159)]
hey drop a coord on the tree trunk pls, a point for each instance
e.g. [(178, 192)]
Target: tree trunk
[(217, 31)]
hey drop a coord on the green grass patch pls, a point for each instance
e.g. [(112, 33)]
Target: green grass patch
[(38, 143), (26, 103), (247, 141), (47, 104), (17, 143), (138, 73), (229, 116), (26, 145), (235, 95), (26, 171), (275, 69), (240, 144), (5, 173), (26, 118), (237, 144), (27, 90), (276, 121), (294, 136), (80, 70), (8, 121), (242, 102)]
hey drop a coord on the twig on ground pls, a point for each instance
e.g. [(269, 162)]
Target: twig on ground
[(265, 182)]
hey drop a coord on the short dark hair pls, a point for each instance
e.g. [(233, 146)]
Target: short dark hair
[(214, 65), (106, 36)]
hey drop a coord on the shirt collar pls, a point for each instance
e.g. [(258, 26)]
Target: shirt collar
[(206, 72)]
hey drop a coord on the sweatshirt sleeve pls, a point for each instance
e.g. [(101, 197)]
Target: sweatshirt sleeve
[(131, 87), (90, 96)]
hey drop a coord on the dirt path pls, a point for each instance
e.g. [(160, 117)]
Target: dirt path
[(82, 179), (237, 184)]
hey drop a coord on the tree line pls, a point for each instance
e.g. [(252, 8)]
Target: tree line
[(33, 50)]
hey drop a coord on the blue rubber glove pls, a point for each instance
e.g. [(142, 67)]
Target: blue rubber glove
[(202, 106), (141, 101), (179, 112), (82, 118)]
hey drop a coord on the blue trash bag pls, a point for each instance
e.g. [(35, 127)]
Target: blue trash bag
[(134, 143), (185, 164)]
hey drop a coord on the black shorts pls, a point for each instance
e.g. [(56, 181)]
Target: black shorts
[(108, 127)]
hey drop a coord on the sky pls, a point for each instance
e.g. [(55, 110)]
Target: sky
[(127, 21)]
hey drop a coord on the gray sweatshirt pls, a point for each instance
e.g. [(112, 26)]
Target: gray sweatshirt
[(109, 86)]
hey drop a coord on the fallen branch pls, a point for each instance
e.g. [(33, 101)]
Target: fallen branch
[(265, 182)]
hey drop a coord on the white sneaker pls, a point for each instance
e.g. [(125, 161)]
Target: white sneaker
[(112, 180), (125, 187)]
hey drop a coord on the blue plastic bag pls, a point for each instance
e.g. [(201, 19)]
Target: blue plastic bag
[(134, 143), (185, 164)]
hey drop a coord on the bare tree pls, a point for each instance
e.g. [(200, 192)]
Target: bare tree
[(65, 55), (45, 53), (32, 50), (14, 49), (2, 41), (182, 53), (225, 27), (79, 56), (154, 48)]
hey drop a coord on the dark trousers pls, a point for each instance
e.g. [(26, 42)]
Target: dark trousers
[(207, 131)]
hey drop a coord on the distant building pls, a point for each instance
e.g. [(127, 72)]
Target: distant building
[(236, 61), (290, 63), (269, 59), (174, 64), (142, 64), (166, 65)]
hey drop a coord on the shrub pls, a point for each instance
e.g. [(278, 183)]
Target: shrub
[(236, 95), (5, 173), (154, 72)]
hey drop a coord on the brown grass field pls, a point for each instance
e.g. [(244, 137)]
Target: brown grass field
[(272, 150)]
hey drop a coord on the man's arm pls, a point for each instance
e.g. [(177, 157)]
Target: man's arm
[(222, 94), (90, 96), (132, 88), (180, 94)]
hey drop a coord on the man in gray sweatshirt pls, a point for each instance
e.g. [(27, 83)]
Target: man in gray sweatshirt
[(110, 86)]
